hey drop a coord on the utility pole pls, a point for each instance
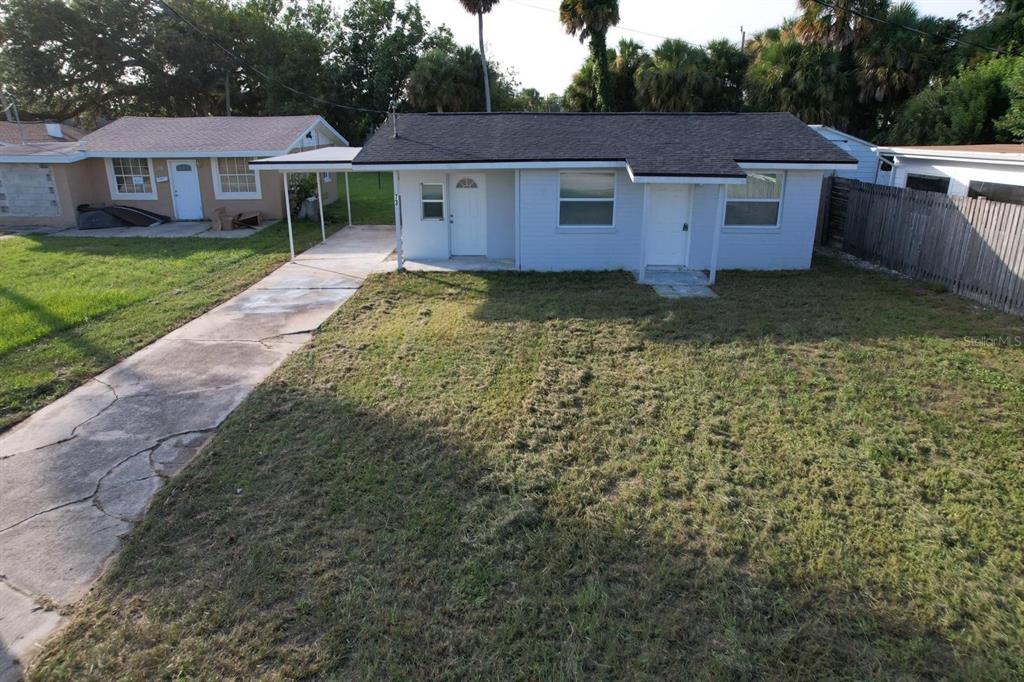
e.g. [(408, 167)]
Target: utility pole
[(743, 39), (6, 103), (227, 92), (10, 106)]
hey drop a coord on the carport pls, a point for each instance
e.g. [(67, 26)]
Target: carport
[(324, 159)]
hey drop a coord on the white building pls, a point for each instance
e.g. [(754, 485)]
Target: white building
[(993, 171), (871, 166), (631, 191)]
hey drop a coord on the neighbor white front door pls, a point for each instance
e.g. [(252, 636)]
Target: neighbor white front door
[(668, 224), (468, 202), (188, 202)]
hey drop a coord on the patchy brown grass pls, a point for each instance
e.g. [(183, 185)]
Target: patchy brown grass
[(565, 476)]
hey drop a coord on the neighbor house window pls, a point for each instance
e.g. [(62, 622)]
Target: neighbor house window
[(928, 183), (586, 199), (996, 191), (432, 198), (131, 179), (756, 203), (233, 179)]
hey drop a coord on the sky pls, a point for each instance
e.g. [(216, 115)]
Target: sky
[(526, 36)]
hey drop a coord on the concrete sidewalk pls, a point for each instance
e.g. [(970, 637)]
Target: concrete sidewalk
[(77, 476)]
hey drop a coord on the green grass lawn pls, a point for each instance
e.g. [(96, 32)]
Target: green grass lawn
[(72, 307), (494, 476)]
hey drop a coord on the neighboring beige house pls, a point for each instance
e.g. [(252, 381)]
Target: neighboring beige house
[(184, 168), (34, 131)]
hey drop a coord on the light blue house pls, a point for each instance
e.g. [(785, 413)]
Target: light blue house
[(632, 191)]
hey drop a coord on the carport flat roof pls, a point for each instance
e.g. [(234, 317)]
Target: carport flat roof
[(322, 159)]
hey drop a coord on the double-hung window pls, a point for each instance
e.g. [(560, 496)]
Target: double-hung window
[(131, 178), (233, 179), (757, 203), (432, 200), (586, 199)]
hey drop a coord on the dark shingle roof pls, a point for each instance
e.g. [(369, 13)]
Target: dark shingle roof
[(652, 144)]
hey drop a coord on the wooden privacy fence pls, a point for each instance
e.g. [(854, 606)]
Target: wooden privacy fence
[(974, 247)]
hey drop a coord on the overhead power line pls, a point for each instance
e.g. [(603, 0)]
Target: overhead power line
[(914, 29), (620, 28), (259, 72)]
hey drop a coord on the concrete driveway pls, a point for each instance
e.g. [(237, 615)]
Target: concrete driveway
[(78, 475)]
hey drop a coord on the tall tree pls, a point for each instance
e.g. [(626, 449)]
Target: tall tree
[(448, 79), (839, 24), (805, 79), (590, 20), (677, 78), (978, 105), (380, 45), (630, 57), (624, 62), (480, 8), (728, 66), (896, 63), (438, 82)]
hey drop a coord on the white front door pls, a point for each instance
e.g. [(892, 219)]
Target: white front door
[(468, 201), (668, 224), (188, 202)]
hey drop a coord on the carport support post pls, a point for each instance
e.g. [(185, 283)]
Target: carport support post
[(719, 219), (348, 200), (320, 205), (288, 212), (398, 222)]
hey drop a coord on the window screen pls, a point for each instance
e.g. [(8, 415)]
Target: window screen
[(928, 183)]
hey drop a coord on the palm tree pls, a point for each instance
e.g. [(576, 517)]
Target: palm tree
[(480, 8), (677, 78), (805, 79), (838, 24), (443, 81), (896, 63), (591, 19)]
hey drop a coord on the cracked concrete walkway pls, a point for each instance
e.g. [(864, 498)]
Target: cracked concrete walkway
[(76, 476)]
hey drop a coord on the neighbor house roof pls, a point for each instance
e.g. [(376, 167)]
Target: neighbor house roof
[(825, 131), (180, 138), (651, 144), (1004, 153), (42, 152), (34, 131), (200, 134)]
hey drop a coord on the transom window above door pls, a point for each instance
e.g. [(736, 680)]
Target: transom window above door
[(466, 183), (586, 199)]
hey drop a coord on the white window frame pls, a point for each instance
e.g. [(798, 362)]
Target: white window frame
[(130, 196), (424, 202), (614, 197), (778, 214), (220, 193)]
